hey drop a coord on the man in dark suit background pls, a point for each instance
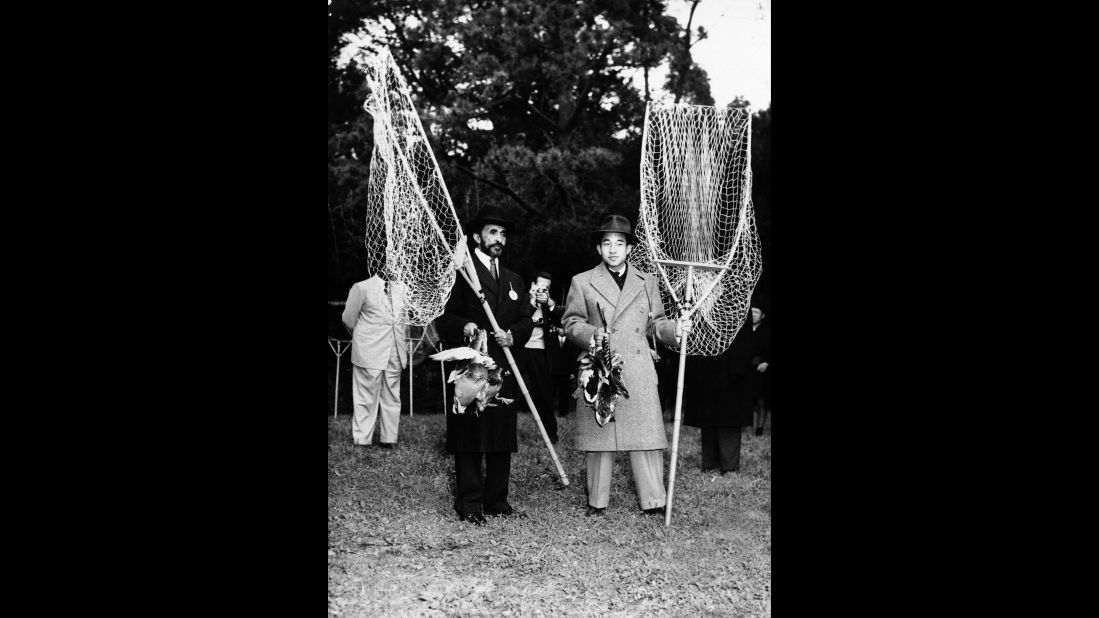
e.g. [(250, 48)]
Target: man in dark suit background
[(761, 360), (717, 398), (490, 436)]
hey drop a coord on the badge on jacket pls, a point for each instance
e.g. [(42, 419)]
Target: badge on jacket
[(512, 295)]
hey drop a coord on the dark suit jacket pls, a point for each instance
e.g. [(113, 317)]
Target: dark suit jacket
[(494, 430), (761, 353), (717, 390)]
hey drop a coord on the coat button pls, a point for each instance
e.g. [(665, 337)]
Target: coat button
[(637, 330)]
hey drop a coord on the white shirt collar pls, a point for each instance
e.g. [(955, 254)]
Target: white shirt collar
[(486, 261)]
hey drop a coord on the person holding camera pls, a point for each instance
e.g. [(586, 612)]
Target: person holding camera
[(540, 352)]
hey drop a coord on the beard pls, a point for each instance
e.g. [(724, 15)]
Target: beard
[(494, 250)]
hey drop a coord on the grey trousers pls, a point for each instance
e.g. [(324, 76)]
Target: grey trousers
[(648, 478), (377, 394)]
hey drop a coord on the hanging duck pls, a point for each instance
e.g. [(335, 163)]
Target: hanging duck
[(477, 377), (600, 378)]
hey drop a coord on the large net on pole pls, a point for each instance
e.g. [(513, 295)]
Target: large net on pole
[(411, 228), (696, 206)]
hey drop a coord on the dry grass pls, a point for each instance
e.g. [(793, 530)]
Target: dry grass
[(396, 547)]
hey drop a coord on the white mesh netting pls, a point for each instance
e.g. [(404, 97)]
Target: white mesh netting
[(411, 228), (696, 206)]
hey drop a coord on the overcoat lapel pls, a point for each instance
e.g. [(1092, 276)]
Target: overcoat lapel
[(630, 290), (604, 284)]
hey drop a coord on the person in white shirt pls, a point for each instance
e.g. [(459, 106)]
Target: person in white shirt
[(540, 352)]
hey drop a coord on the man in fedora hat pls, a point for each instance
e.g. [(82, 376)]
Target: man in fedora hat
[(761, 360), (491, 434), (630, 301)]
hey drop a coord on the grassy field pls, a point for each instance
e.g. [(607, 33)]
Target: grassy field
[(396, 548)]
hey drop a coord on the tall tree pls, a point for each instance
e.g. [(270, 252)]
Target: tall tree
[(529, 105)]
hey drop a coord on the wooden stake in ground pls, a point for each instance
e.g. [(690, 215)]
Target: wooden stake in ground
[(339, 346)]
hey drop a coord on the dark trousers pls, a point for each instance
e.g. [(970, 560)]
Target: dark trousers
[(482, 493), (563, 388), (721, 448), (536, 374)]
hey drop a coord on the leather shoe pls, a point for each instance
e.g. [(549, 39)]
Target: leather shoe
[(658, 510), (387, 445), (759, 431), (596, 512), (508, 513), (477, 519)]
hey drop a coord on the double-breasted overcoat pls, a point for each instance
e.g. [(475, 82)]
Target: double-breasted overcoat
[(633, 313)]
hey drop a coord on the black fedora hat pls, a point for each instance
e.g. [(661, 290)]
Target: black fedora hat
[(615, 223), (761, 302), (489, 214)]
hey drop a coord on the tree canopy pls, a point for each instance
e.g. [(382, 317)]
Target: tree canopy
[(529, 105)]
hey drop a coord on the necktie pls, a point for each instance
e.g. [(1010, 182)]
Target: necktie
[(495, 273)]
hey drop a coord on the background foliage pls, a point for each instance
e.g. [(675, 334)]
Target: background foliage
[(529, 105)]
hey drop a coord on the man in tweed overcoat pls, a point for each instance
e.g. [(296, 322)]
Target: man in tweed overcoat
[(630, 300)]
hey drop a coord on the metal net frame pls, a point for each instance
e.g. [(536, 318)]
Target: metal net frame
[(696, 208)]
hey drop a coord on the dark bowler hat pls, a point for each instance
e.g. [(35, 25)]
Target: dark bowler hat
[(760, 301), (615, 223), (489, 214)]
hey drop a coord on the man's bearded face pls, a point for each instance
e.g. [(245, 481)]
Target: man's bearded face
[(491, 240)]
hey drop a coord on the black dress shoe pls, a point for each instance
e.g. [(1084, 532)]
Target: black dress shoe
[(387, 445), (659, 510), (724, 472), (596, 512), (508, 513), (477, 519)]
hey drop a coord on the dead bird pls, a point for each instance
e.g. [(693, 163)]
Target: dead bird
[(477, 377), (600, 378)]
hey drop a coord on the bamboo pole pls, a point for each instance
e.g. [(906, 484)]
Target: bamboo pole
[(442, 375), (475, 283), (475, 286), (688, 294)]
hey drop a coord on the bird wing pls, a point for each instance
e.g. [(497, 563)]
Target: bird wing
[(463, 353)]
